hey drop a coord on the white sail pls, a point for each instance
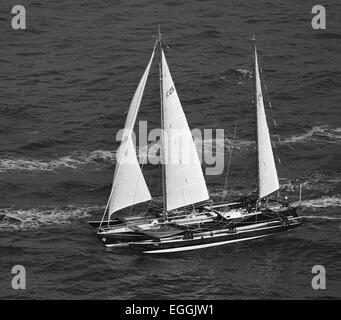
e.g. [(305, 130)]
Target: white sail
[(184, 180), (267, 173), (129, 186)]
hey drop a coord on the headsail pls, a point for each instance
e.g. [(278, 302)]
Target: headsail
[(129, 186), (267, 173), (185, 183)]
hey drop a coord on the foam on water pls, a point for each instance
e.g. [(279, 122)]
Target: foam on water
[(79, 159), (244, 73), (323, 202), (316, 133), (323, 217), (73, 161), (35, 164), (23, 219), (71, 80)]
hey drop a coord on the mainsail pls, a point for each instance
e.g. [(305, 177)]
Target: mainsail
[(129, 186), (267, 173), (184, 180)]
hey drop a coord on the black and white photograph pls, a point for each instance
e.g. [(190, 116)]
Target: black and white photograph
[(170, 150)]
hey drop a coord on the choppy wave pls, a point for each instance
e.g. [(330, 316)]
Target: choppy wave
[(324, 202), (311, 208), (317, 133), (316, 182), (323, 217), (239, 74), (73, 161), (244, 73), (78, 159), (22, 219)]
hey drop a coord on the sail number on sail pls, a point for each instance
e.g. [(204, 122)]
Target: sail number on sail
[(170, 91)]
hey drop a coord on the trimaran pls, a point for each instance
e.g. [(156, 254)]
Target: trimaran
[(188, 219)]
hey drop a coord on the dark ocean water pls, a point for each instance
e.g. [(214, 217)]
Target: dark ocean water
[(65, 86)]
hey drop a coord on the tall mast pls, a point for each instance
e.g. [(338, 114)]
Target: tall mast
[(162, 124), (255, 99)]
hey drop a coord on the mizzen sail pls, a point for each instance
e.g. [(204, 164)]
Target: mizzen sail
[(185, 183), (129, 186), (267, 173)]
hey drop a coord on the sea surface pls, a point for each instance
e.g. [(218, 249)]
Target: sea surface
[(65, 88)]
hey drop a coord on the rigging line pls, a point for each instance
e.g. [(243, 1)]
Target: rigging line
[(123, 151), (148, 208), (266, 93), (245, 168), (186, 69), (210, 114), (182, 168), (234, 136), (275, 123), (243, 171), (229, 165), (248, 159), (200, 99), (142, 166), (188, 82)]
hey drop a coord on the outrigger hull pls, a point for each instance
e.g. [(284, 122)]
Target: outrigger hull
[(215, 238)]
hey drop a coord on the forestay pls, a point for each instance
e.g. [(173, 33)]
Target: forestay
[(129, 186)]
